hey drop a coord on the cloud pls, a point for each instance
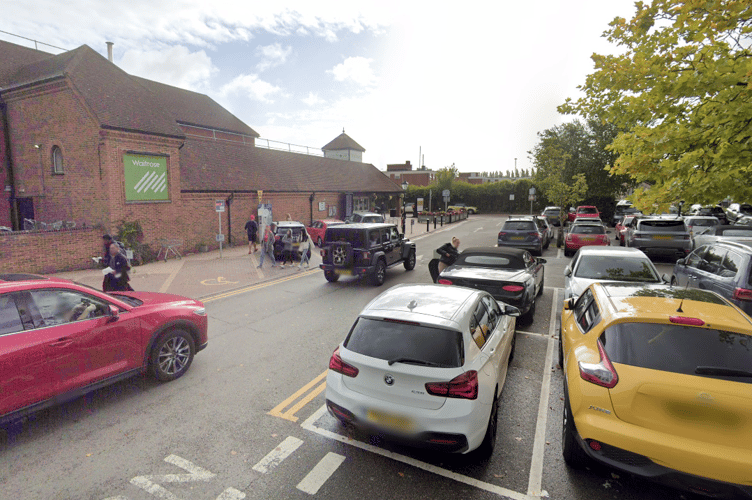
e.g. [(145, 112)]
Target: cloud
[(313, 99), (358, 69), (272, 55), (175, 66), (251, 85)]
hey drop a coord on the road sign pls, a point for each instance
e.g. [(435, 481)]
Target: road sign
[(219, 206), (531, 197), (220, 237), (445, 193), (511, 197), (532, 191)]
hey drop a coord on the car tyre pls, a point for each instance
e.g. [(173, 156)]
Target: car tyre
[(673, 281), (331, 276), (567, 253), (379, 274), (486, 448), (172, 355), (543, 281), (471, 212), (573, 454), (410, 261), (530, 314)]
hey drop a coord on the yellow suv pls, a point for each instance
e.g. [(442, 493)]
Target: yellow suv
[(658, 383)]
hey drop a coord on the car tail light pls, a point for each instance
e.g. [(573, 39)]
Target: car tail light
[(463, 386), (502, 233), (602, 373), (570, 237), (686, 236), (743, 294), (513, 288), (443, 281), (323, 253), (537, 235), (683, 320), (594, 445), (336, 364)]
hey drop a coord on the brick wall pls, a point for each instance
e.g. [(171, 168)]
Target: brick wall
[(49, 251)]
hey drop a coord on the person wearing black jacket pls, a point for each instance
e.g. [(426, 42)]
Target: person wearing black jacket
[(117, 279), (448, 253)]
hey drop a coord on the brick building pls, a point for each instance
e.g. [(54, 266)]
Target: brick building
[(84, 141), (400, 172)]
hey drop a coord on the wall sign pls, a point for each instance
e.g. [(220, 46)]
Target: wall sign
[(322, 206), (146, 178)]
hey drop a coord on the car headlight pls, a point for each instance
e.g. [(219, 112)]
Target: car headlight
[(201, 311)]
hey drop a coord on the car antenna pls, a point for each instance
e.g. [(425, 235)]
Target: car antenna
[(679, 309)]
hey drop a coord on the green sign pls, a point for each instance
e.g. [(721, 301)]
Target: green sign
[(146, 178)]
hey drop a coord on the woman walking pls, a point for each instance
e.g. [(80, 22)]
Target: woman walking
[(287, 241), (267, 246), (304, 249)]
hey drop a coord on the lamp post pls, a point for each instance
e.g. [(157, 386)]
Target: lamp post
[(404, 215)]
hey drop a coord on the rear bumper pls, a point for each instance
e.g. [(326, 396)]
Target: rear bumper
[(349, 271), (670, 248), (525, 245)]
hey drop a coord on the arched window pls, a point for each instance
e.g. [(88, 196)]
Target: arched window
[(57, 160)]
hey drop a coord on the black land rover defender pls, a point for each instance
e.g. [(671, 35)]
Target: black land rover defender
[(365, 250)]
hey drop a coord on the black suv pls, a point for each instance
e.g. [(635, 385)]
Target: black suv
[(522, 231), (365, 249)]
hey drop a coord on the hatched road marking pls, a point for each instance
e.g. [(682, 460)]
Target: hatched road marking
[(277, 455), (319, 474)]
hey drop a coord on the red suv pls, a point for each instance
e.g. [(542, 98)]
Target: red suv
[(60, 339)]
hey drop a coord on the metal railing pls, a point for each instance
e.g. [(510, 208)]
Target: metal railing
[(286, 146)]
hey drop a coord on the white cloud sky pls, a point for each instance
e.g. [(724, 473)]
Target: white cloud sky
[(470, 84)]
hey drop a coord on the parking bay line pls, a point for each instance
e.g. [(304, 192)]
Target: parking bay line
[(290, 413), (277, 455), (309, 425), (320, 473)]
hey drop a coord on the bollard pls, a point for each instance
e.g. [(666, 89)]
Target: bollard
[(434, 222), (428, 225), (442, 221)]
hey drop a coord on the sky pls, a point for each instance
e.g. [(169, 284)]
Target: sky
[(468, 84)]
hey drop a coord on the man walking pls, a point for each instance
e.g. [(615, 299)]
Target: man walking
[(267, 246), (251, 228)]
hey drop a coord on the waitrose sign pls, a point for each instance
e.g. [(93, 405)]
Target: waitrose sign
[(145, 178)]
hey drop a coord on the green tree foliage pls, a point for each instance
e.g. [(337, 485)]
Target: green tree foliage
[(445, 178), (559, 186), (680, 95)]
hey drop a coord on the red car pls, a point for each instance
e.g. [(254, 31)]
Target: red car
[(60, 339), (621, 228), (318, 228), (584, 211), (584, 234)]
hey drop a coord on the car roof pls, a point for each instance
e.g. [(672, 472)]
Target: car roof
[(366, 213), (362, 225), (745, 247), (330, 221), (18, 281), (441, 305), (288, 223), (629, 302), (516, 252), (612, 251)]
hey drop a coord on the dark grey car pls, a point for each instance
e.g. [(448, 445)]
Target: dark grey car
[(722, 267), (659, 236)]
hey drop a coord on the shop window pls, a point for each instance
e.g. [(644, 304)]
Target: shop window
[(57, 160)]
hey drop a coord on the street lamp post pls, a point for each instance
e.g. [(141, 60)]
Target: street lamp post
[(404, 215)]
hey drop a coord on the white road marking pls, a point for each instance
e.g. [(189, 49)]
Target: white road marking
[(149, 483), (492, 488), (539, 444), (231, 494), (533, 333), (277, 455), (500, 223), (419, 257), (319, 474), (560, 253), (479, 229), (166, 285)]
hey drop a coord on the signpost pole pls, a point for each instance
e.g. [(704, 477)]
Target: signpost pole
[(219, 214)]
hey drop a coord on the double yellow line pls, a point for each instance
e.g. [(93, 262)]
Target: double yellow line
[(257, 287), (290, 413)]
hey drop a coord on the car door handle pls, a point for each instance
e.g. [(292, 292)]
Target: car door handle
[(62, 342)]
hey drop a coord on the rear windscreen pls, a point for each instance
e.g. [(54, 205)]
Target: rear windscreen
[(520, 225), (352, 236), (663, 226), (582, 229), (679, 349), (552, 212), (743, 231), (598, 267), (587, 210), (390, 340), (497, 261), (703, 222)]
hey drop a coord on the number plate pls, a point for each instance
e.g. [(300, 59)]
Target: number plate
[(391, 421), (343, 272), (517, 238), (662, 237), (587, 239)]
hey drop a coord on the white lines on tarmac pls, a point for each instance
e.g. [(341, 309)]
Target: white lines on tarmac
[(539, 444), (559, 253), (479, 229), (533, 333), (309, 425), (319, 474), (277, 455), (419, 257)]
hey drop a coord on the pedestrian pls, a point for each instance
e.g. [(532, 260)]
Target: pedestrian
[(117, 278), (447, 254), (252, 228), (287, 241), (267, 245), (288, 218), (304, 249)]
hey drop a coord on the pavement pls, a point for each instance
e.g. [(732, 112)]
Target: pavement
[(203, 275)]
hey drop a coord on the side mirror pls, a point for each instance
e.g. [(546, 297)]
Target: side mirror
[(569, 304), (680, 262), (568, 271), (665, 278), (511, 310), (114, 313), (541, 260)]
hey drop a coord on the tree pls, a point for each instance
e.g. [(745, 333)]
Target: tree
[(555, 183), (445, 177), (680, 96)]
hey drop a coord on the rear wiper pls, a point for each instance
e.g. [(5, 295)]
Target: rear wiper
[(413, 361), (719, 370)]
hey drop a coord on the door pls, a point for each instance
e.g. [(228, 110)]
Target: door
[(709, 270), (487, 362), (25, 208), (688, 274), (87, 344), (394, 244)]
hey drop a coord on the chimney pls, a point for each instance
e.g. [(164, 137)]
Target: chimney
[(109, 51)]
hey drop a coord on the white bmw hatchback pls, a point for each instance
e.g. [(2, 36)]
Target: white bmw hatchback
[(425, 364)]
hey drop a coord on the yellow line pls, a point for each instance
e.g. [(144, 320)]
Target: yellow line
[(290, 414), (277, 410), (257, 287)]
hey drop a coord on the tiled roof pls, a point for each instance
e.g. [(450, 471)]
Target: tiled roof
[(207, 165), (193, 108), (13, 57), (343, 141)]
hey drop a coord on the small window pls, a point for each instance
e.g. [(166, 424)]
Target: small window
[(479, 325), (10, 321), (731, 264), (57, 160)]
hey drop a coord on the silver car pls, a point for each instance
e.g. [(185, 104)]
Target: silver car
[(740, 234), (659, 236), (607, 264)]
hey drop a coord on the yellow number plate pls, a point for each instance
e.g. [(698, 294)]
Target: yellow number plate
[(391, 421), (661, 237), (343, 272)]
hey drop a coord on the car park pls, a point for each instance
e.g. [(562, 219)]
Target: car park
[(740, 234), (584, 234), (462, 206), (697, 223), (297, 229), (553, 214), (737, 210), (425, 364), (657, 384), (60, 339), (723, 267), (546, 229), (365, 250), (710, 210), (318, 229), (365, 217), (511, 275), (521, 232), (605, 264), (659, 236)]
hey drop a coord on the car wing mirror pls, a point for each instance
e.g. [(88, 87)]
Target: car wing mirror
[(664, 278), (541, 260), (114, 313), (511, 310), (680, 262), (569, 304), (568, 271)]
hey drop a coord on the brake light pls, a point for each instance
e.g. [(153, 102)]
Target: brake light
[(502, 233), (443, 281), (602, 373), (323, 253), (463, 386), (512, 288), (534, 234), (569, 237), (683, 320), (686, 236), (336, 364), (743, 294)]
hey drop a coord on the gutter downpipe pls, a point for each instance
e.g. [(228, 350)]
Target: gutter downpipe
[(9, 161)]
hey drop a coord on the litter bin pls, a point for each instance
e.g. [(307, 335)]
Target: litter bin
[(392, 212)]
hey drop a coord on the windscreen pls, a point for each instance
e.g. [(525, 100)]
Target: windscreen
[(583, 229), (679, 349), (613, 268), (587, 210), (388, 340), (663, 226), (496, 261), (702, 222), (519, 225), (743, 231)]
